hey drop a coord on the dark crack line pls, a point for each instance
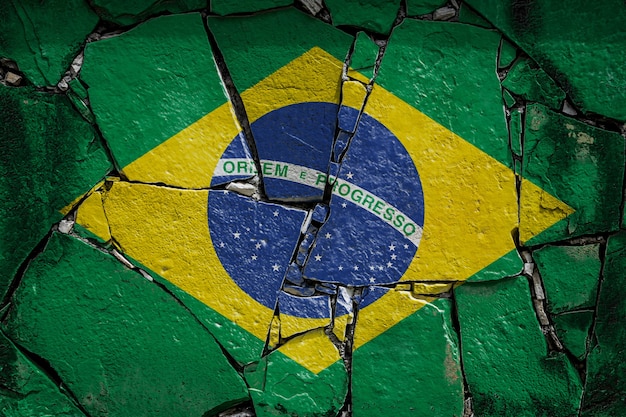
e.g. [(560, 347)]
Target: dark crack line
[(468, 408)]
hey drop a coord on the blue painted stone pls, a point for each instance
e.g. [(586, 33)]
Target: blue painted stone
[(312, 307)]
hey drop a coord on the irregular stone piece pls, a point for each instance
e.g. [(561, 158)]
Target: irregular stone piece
[(573, 331), (469, 16), (606, 389), (570, 276), (562, 156), (224, 7), (26, 390), (420, 7), (129, 12), (533, 84), (411, 369), (452, 79), (50, 156), (444, 13), (143, 94), (90, 216), (377, 16), (506, 365), (508, 265), (32, 36), (148, 355), (364, 56), (278, 386), (581, 46)]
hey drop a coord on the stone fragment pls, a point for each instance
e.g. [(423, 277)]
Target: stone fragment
[(411, 369), (50, 156), (12, 78), (130, 12), (148, 355), (279, 386), (26, 390), (529, 81), (364, 56), (32, 36), (581, 46), (292, 308), (562, 156), (507, 54), (444, 13), (142, 95), (91, 217), (352, 98), (469, 16), (371, 15), (570, 276), (224, 7), (420, 7), (573, 331), (313, 6), (606, 364), (451, 79), (506, 364)]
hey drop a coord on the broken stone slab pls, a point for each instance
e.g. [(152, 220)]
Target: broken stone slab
[(315, 308), (148, 354), (371, 15), (225, 7), (411, 369), (579, 164), (127, 13), (605, 388), (444, 13), (353, 98), (582, 46), (572, 328), (570, 276), (506, 364), (43, 48), (421, 7), (279, 386), (469, 16), (139, 105), (50, 156), (526, 79), (364, 56), (27, 390), (92, 219)]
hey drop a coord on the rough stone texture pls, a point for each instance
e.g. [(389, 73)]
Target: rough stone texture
[(130, 12), (604, 390), (50, 156), (420, 7), (224, 7), (506, 361), (32, 36), (118, 342), (377, 16), (364, 56), (526, 79), (572, 328), (561, 156), (581, 46), (425, 365)]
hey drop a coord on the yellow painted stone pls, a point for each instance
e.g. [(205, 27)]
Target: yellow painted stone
[(313, 350), (90, 214)]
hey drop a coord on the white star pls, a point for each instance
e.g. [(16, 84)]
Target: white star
[(393, 256), (349, 175), (236, 234), (372, 279), (254, 257), (275, 267), (344, 205), (380, 268), (340, 268), (371, 267), (258, 245), (406, 246), (356, 268), (389, 264), (222, 244), (276, 213), (392, 247), (318, 258), (327, 235)]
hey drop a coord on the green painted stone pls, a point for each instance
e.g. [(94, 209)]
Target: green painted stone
[(374, 15), (280, 387), (469, 16), (33, 36), (581, 165), (25, 390), (582, 46), (533, 84), (606, 364), (272, 40), (151, 82), (420, 7), (508, 54), (515, 128), (570, 276), (508, 265), (573, 329), (448, 72), (224, 7), (125, 12), (411, 369), (364, 55), (507, 368), (119, 342), (49, 156)]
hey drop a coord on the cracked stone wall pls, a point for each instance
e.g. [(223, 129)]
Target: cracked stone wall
[(312, 208)]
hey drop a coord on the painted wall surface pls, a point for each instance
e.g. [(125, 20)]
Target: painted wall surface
[(339, 208)]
